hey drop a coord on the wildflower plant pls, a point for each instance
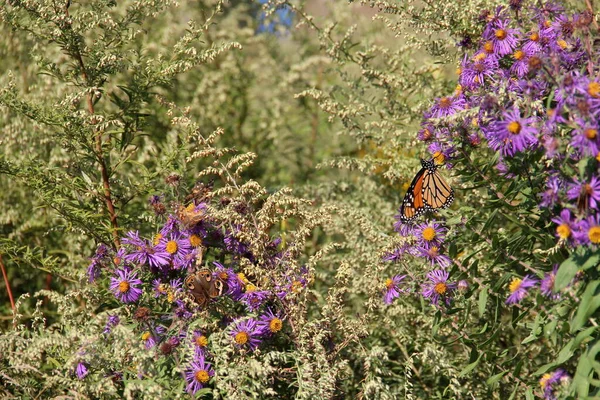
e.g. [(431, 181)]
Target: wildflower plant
[(202, 199)]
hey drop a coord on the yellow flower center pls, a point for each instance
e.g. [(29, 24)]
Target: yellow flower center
[(591, 133), (243, 277), (275, 325), (445, 102), (563, 231), (433, 251), (389, 283), (170, 296), (587, 189), (547, 23), (250, 288), (202, 341), (594, 234), (515, 284), (594, 89), (534, 37), (458, 70), (514, 127), (562, 44), (117, 260), (123, 286), (474, 123), (439, 158), (500, 34), (195, 240), (145, 336), (488, 47), (440, 288), (157, 238), (202, 376), (296, 287), (598, 157), (428, 234), (458, 89), (544, 380), (241, 338), (519, 54), (171, 247), (479, 57)]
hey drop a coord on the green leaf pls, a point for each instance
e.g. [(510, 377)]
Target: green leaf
[(581, 336), (481, 303), (495, 378), (566, 273), (469, 367), (590, 301)]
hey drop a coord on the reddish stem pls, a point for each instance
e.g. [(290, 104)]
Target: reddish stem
[(10, 296)]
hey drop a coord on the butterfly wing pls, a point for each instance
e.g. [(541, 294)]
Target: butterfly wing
[(437, 193), (413, 205)]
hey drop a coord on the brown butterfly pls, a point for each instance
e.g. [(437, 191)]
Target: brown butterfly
[(189, 216), (204, 286)]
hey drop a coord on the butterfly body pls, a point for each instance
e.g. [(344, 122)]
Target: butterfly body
[(427, 192), (204, 286)]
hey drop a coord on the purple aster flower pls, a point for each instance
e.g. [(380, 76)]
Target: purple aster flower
[(270, 322), (426, 133), (171, 227), (433, 255), (518, 288), (93, 270), (586, 194), (81, 370), (235, 286), (474, 73), (513, 134), (391, 288), (550, 195), (431, 233), (504, 39), (246, 334), (233, 244), (200, 341), (198, 373), (589, 231), (585, 139), (181, 310), (441, 153), (143, 253), (125, 286), (520, 66), (445, 106), (533, 43), (566, 225), (151, 339), (439, 288), (398, 253), (253, 299), (551, 383), (112, 321), (547, 284), (177, 247)]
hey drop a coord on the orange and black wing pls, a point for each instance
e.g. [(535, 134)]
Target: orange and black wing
[(413, 205), (437, 193)]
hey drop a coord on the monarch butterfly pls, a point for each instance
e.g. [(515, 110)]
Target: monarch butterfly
[(427, 192)]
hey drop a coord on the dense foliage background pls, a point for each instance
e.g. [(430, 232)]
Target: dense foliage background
[(291, 129)]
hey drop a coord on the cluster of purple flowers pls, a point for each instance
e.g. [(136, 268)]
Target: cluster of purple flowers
[(531, 90), (530, 93), (423, 240), (150, 274)]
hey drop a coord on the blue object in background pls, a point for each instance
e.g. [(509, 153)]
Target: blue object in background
[(282, 18)]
